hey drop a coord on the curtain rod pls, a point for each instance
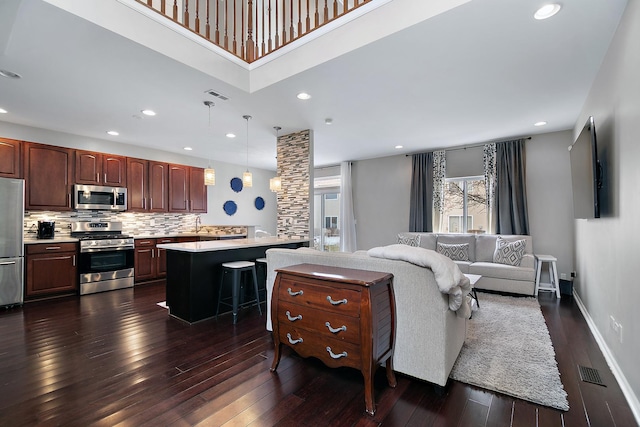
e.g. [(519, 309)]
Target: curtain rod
[(480, 144)]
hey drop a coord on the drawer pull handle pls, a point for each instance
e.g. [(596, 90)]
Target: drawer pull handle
[(294, 294), (52, 248), (336, 356), (292, 341), (335, 330), (293, 319), (333, 302)]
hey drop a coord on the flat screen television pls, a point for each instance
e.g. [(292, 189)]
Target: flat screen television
[(585, 173)]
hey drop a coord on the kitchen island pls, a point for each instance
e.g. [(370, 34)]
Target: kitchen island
[(193, 271)]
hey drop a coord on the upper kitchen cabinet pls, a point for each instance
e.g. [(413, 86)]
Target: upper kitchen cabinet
[(187, 192), (48, 174), (10, 153), (197, 190), (147, 185), (100, 169)]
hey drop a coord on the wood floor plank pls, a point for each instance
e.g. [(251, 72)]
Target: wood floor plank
[(116, 358)]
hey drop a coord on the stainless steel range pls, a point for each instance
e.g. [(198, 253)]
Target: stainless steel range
[(106, 256)]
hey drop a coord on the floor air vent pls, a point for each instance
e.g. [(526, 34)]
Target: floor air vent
[(590, 375)]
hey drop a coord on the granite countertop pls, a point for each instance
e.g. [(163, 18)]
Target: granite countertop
[(221, 245), (29, 240), (189, 234)]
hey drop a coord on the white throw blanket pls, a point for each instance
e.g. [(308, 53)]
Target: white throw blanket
[(448, 276)]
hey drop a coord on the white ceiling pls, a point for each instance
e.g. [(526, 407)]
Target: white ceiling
[(483, 71)]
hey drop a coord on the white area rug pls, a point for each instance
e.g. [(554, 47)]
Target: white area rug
[(508, 349)]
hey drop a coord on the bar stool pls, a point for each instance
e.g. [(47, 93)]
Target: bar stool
[(236, 268), (261, 270), (554, 283)]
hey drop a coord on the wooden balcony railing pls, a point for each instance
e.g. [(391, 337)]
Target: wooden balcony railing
[(251, 29)]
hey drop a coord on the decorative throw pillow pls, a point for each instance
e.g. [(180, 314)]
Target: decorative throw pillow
[(509, 253), (409, 239), (455, 251)]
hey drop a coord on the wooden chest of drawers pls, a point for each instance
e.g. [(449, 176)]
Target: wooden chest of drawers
[(344, 317)]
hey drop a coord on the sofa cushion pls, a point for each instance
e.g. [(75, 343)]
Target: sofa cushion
[(486, 245), (428, 241), (425, 240), (463, 265), (502, 271), (460, 239), (411, 239), (455, 251), (509, 253)]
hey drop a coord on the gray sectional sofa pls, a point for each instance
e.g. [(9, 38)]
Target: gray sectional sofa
[(518, 279), (429, 336)]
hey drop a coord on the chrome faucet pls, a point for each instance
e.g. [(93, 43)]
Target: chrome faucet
[(198, 221)]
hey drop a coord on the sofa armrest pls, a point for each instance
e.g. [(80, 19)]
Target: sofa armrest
[(528, 261)]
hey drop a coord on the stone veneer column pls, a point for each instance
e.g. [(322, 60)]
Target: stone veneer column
[(295, 167)]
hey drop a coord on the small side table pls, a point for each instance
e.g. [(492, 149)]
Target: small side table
[(473, 279), (554, 285)]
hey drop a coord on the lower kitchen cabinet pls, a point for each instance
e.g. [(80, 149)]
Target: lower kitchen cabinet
[(51, 269), (151, 261), (145, 263)]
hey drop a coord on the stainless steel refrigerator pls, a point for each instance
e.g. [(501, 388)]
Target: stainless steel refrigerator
[(11, 241)]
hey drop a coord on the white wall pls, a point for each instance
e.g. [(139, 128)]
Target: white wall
[(549, 197), (381, 190), (247, 214), (606, 248)]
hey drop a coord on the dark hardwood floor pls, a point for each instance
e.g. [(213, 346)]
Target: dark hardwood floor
[(117, 358)]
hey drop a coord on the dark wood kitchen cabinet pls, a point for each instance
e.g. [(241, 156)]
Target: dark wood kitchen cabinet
[(100, 169), (147, 185), (161, 257), (187, 192), (52, 269), (145, 263), (151, 261), (10, 156), (48, 172)]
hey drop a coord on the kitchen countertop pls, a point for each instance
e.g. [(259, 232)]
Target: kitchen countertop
[(58, 239), (193, 234), (221, 245), (32, 240)]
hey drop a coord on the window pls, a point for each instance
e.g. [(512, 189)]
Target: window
[(465, 208), (326, 209), (330, 221)]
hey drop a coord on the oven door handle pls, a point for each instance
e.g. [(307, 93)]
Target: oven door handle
[(106, 249)]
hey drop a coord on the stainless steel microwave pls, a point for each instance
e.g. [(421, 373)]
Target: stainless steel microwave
[(99, 198)]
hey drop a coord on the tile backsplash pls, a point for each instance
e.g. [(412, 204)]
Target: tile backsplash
[(134, 224)]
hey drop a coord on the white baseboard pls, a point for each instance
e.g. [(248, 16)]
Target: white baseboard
[(632, 399)]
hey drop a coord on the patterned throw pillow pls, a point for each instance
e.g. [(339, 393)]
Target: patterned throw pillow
[(455, 251), (409, 239), (509, 253)]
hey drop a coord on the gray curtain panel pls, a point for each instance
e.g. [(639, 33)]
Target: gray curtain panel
[(511, 193), (421, 207)]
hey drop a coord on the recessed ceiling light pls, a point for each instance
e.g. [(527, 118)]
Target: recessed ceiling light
[(188, 148), (303, 96), (3, 111), (540, 123), (398, 146), (328, 121), (148, 112), (9, 74), (231, 135), (547, 11), (113, 133)]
